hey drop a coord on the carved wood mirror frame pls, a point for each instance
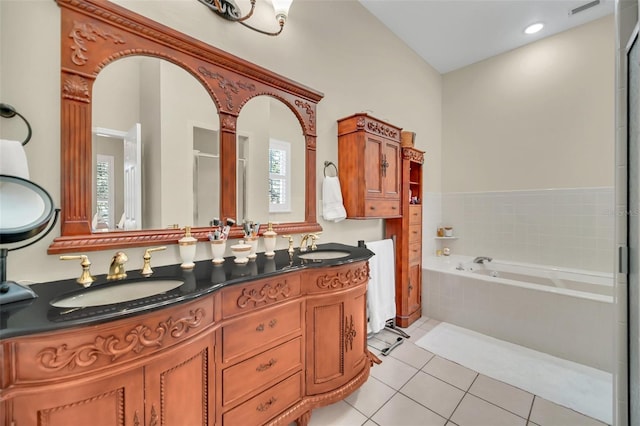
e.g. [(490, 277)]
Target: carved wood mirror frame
[(96, 32)]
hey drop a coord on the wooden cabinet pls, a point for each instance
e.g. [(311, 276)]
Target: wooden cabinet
[(168, 390), (407, 231), (369, 167), (115, 400), (336, 328), (264, 352)]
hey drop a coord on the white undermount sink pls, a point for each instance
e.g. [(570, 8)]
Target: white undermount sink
[(324, 254), (116, 293)]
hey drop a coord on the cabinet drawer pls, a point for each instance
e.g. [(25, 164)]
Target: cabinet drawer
[(338, 277), (382, 208), (260, 329), (260, 370), (415, 253), (78, 351), (259, 409), (244, 298), (415, 214), (415, 234)]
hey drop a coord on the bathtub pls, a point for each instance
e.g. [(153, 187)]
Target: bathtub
[(567, 313)]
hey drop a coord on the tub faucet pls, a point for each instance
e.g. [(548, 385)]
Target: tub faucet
[(482, 259)]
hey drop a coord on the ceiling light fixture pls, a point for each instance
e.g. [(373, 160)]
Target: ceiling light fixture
[(229, 10), (534, 28)]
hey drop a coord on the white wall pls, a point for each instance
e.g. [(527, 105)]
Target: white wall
[(541, 116), (335, 47)]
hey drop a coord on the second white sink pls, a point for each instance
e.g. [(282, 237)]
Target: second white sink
[(324, 254), (116, 293)]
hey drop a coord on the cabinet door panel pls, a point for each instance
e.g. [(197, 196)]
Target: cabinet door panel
[(391, 176), (326, 321), (116, 401), (373, 160), (415, 288), (178, 383)]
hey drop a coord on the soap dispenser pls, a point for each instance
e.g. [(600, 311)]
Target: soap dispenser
[(187, 249), (269, 237)]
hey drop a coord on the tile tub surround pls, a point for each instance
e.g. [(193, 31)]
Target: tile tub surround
[(563, 227), (414, 387), (565, 324)]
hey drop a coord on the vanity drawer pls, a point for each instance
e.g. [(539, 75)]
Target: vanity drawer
[(337, 277), (260, 330), (260, 370), (380, 208), (415, 233), (415, 214), (80, 350), (259, 409), (415, 253), (243, 298)]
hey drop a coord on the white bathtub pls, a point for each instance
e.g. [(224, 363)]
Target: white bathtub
[(565, 313)]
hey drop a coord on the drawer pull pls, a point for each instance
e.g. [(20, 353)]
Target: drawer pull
[(264, 367), (272, 324), (372, 207), (266, 405), (394, 208)]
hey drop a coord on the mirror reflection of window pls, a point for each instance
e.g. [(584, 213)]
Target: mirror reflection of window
[(279, 176), (104, 193)]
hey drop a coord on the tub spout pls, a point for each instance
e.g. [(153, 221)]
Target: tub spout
[(482, 259)]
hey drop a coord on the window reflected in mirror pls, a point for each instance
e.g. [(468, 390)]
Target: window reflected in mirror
[(155, 149), (271, 163)]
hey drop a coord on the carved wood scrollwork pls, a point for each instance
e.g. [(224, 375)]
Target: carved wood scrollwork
[(413, 155), (266, 294), (349, 333), (344, 279), (153, 421), (83, 31), (382, 129), (76, 88), (229, 87), (136, 340), (308, 108)]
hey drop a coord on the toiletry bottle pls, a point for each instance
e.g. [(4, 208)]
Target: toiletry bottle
[(269, 237), (187, 249)]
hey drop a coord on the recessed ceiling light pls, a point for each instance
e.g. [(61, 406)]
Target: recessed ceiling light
[(534, 28)]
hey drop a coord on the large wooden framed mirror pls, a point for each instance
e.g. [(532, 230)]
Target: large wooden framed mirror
[(203, 162)]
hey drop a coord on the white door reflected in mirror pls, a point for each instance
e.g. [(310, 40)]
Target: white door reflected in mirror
[(157, 181)]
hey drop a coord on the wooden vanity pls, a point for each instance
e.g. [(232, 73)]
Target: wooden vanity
[(261, 351), (264, 351)]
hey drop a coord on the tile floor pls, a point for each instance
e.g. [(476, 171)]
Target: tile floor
[(414, 387)]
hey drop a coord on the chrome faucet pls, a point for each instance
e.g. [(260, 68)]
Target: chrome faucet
[(116, 269), (482, 259)]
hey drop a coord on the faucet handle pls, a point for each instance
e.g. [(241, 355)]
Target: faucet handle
[(315, 236), (85, 278), (290, 237), (146, 267)]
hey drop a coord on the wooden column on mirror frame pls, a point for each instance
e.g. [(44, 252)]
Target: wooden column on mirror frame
[(408, 233)]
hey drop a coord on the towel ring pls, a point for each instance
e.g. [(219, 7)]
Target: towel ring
[(7, 111), (329, 164)]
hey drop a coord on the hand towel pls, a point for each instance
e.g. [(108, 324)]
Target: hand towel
[(332, 207), (381, 292), (13, 159)]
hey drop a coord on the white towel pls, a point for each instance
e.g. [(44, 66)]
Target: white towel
[(332, 207), (381, 293), (13, 159)]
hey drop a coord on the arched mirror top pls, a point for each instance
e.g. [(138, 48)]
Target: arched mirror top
[(95, 33)]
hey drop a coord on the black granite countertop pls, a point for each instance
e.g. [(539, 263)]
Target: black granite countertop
[(36, 316)]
